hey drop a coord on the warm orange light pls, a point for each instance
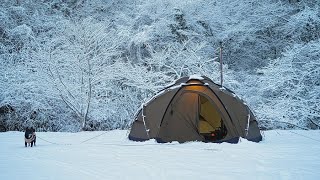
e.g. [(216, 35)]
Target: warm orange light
[(196, 88)]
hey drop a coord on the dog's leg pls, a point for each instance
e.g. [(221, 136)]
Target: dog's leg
[(25, 144)]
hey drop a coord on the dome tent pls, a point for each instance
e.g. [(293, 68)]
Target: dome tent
[(195, 109)]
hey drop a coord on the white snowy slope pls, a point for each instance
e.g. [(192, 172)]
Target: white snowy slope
[(59, 156)]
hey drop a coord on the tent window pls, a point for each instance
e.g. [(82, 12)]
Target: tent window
[(210, 124)]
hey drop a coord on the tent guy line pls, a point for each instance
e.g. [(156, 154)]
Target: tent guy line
[(73, 144), (304, 136)]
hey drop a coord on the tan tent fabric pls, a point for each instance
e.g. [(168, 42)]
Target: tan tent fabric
[(180, 121), (205, 127), (209, 115), (192, 108)]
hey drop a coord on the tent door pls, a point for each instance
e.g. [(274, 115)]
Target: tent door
[(210, 124)]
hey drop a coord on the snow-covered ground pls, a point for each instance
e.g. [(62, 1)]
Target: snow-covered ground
[(110, 155)]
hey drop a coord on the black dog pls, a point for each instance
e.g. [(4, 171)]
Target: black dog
[(30, 137)]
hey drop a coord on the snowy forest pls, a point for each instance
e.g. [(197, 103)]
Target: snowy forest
[(71, 65)]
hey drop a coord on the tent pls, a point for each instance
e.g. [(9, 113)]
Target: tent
[(195, 109)]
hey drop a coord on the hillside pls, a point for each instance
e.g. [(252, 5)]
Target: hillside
[(70, 65)]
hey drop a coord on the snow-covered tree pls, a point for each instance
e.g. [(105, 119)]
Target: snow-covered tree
[(75, 61), (90, 64), (290, 89)]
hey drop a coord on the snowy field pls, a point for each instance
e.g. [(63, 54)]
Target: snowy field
[(110, 155)]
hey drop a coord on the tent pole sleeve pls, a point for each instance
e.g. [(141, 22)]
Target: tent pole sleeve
[(248, 124), (144, 122)]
